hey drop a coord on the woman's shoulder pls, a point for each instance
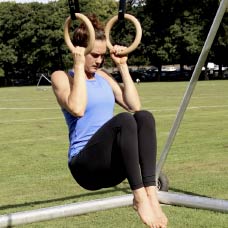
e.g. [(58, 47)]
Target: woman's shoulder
[(105, 74), (58, 73), (59, 77)]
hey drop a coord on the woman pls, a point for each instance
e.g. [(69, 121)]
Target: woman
[(104, 150)]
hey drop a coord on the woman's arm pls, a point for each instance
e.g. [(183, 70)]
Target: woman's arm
[(71, 93), (126, 95), (129, 91)]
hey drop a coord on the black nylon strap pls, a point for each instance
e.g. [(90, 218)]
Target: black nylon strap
[(74, 8), (122, 8)]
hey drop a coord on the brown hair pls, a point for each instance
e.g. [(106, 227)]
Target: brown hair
[(80, 36)]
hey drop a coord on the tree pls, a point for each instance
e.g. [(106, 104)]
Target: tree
[(174, 31), (32, 39)]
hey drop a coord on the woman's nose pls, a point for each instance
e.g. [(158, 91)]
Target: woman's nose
[(99, 59)]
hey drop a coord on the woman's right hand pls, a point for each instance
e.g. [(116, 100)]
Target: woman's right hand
[(79, 56)]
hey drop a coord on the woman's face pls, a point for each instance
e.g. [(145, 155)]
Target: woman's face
[(94, 59)]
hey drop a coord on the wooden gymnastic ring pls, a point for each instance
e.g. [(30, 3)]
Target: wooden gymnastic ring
[(90, 28), (138, 36)]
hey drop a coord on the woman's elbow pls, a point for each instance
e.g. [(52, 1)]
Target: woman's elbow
[(77, 113), (137, 108), (134, 109), (77, 109)]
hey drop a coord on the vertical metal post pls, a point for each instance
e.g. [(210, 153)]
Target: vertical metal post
[(202, 58)]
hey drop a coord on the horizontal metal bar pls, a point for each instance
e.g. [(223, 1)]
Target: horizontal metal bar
[(193, 201), (68, 210)]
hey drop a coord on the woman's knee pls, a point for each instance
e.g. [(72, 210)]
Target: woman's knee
[(145, 116), (127, 119)]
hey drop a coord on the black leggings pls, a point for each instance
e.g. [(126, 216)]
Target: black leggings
[(124, 147)]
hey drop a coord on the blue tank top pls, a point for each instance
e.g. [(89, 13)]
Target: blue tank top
[(99, 109)]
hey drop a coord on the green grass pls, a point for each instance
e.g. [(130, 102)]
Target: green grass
[(34, 141)]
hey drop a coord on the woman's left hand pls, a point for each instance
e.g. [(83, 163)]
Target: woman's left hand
[(116, 57)]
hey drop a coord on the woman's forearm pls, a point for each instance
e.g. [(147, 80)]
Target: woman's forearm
[(77, 99), (130, 94)]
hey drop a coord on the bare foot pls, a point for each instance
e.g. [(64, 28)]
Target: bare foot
[(143, 206), (153, 198)]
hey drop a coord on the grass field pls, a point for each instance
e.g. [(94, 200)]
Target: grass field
[(34, 141)]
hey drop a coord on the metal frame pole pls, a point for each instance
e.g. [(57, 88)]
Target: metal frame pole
[(44, 214), (50, 213), (193, 201), (202, 58)]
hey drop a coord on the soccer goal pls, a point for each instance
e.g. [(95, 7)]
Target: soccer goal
[(43, 82)]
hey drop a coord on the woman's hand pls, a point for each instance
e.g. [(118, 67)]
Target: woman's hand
[(116, 57), (79, 56)]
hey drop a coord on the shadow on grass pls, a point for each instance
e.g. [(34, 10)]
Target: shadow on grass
[(94, 193), (187, 192)]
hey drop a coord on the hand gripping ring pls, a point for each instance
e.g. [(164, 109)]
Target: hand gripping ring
[(138, 36), (89, 27)]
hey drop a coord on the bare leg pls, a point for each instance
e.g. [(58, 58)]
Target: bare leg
[(142, 205), (153, 198)]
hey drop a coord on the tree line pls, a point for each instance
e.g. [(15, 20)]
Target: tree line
[(174, 31)]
